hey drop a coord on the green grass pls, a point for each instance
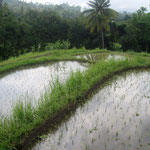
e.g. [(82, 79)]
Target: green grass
[(54, 55), (42, 57), (25, 118)]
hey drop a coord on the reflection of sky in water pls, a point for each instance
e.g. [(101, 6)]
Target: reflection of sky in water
[(101, 56), (116, 118), (32, 82)]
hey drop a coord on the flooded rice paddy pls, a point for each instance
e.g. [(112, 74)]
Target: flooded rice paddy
[(32, 82), (101, 56), (116, 118)]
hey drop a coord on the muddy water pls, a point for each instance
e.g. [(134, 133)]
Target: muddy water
[(32, 82), (101, 56), (116, 118)]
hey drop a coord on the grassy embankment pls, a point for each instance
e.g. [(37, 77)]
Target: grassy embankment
[(42, 57), (55, 55), (24, 118)]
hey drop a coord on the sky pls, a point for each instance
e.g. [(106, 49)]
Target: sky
[(119, 5)]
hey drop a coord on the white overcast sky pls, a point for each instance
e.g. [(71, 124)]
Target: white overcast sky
[(119, 5)]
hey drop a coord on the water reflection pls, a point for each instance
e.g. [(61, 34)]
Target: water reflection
[(32, 82), (101, 56), (116, 118)]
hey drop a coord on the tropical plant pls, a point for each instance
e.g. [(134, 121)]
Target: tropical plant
[(141, 11), (58, 45), (117, 46), (99, 16)]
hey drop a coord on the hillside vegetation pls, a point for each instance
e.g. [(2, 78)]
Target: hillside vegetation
[(27, 27)]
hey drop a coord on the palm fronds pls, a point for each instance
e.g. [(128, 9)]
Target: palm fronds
[(99, 16)]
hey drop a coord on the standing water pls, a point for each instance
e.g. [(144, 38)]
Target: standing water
[(31, 83), (116, 118), (101, 56)]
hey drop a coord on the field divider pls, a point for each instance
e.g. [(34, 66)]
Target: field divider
[(62, 102)]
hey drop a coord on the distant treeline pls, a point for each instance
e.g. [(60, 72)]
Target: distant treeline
[(27, 25)]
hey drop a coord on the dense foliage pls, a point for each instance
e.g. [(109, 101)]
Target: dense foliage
[(26, 27)]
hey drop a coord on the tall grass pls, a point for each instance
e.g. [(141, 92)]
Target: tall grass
[(25, 118)]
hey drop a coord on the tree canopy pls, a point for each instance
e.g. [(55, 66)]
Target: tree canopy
[(27, 25)]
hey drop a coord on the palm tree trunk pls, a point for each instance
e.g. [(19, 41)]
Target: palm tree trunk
[(102, 35)]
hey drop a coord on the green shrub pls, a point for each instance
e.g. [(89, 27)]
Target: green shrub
[(34, 49), (117, 47), (65, 44), (58, 45), (83, 48), (38, 48)]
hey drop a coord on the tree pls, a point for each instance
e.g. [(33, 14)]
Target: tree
[(1, 2), (99, 16), (141, 11)]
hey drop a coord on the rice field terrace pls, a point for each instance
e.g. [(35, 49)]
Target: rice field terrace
[(116, 118), (32, 82), (101, 56), (75, 99)]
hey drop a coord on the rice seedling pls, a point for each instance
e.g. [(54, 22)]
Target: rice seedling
[(93, 140), (24, 119), (30, 82)]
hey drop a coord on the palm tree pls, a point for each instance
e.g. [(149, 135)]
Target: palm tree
[(99, 16)]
